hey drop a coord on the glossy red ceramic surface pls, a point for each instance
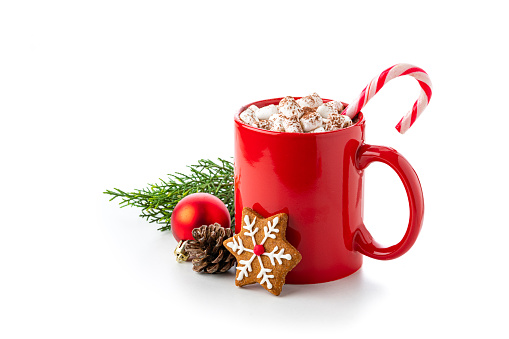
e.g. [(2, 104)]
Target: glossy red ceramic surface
[(317, 179)]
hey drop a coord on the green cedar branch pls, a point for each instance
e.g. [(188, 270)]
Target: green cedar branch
[(157, 201)]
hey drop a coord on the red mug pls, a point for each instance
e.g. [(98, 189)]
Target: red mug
[(317, 179)]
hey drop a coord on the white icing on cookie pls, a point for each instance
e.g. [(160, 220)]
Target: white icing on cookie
[(249, 227), (272, 228), (263, 274), (244, 269), (278, 256), (238, 246)]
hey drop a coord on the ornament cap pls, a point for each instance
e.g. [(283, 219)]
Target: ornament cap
[(180, 252)]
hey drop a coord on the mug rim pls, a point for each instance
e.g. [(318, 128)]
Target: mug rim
[(243, 108)]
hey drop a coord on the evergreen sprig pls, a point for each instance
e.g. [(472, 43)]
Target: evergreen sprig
[(157, 201)]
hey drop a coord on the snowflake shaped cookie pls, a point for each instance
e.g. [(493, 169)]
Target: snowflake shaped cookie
[(262, 251)]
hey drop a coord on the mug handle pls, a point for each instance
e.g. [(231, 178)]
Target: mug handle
[(363, 241)]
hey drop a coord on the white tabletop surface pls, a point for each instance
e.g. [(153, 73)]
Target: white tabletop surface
[(102, 94)]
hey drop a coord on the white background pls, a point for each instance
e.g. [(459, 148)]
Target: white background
[(102, 94)]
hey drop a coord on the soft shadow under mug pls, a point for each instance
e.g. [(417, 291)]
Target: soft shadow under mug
[(317, 179)]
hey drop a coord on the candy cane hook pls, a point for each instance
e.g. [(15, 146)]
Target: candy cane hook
[(390, 73)]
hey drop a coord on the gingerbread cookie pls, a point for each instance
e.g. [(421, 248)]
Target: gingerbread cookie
[(263, 254)]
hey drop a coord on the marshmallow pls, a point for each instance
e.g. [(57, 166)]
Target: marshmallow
[(292, 125), (328, 126), (337, 105), (248, 116), (278, 127), (289, 108), (330, 107), (348, 122), (324, 110), (266, 112), (318, 130), (310, 121), (312, 100), (252, 108), (276, 117), (277, 122), (337, 121), (264, 124)]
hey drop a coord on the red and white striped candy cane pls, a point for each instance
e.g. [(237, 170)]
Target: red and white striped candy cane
[(390, 73)]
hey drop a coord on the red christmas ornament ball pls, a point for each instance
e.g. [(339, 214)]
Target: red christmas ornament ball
[(195, 210)]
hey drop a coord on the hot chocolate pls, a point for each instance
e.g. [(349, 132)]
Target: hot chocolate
[(308, 114)]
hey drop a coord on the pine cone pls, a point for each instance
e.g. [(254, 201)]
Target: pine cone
[(207, 251)]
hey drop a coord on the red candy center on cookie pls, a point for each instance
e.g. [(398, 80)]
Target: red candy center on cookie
[(258, 249)]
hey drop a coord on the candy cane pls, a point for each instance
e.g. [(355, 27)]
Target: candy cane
[(390, 73)]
